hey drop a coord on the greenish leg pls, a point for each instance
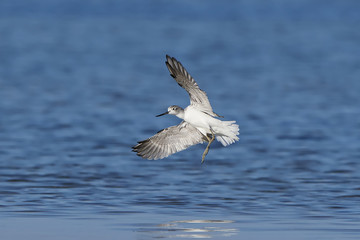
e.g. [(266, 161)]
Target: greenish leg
[(208, 146)]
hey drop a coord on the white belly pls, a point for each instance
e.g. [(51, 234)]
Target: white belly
[(198, 119), (225, 131)]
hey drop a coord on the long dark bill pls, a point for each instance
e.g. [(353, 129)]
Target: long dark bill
[(162, 114)]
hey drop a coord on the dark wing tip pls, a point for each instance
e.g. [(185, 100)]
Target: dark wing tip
[(141, 149), (175, 67), (171, 69), (172, 61), (170, 58), (137, 147)]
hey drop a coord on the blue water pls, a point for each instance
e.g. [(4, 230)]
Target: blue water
[(81, 82)]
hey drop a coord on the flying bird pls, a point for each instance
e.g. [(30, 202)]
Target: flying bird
[(200, 123)]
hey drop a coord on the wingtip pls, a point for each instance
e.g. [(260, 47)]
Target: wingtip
[(171, 60), (168, 59), (171, 69)]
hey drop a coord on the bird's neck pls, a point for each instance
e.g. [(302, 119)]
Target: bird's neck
[(180, 115)]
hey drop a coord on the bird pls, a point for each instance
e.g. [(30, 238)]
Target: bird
[(199, 122)]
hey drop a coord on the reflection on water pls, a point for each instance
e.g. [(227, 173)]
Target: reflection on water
[(192, 229)]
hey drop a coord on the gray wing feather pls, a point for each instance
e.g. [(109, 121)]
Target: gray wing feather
[(169, 141), (198, 97)]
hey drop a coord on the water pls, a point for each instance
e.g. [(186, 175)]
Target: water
[(81, 83)]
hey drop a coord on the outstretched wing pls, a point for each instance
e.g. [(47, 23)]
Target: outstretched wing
[(198, 97), (169, 141)]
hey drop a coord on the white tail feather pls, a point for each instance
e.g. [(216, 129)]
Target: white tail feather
[(227, 133)]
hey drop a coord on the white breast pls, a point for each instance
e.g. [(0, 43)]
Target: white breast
[(198, 119)]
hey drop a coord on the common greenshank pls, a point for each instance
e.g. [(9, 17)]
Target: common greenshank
[(199, 122)]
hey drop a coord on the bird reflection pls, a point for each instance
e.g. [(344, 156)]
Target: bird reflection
[(186, 229)]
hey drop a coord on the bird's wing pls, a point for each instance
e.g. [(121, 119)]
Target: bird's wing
[(169, 141), (198, 97)]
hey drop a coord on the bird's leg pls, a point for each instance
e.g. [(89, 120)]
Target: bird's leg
[(208, 146)]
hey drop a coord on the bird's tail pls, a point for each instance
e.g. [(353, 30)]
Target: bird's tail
[(227, 132)]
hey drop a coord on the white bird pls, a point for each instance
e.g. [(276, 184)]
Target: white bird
[(199, 122)]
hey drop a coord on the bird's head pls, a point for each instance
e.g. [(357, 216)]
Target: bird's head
[(173, 110)]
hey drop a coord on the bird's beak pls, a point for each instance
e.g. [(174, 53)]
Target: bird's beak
[(167, 112)]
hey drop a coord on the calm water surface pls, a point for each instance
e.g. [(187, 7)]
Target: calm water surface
[(80, 85)]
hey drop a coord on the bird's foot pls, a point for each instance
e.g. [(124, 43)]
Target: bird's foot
[(205, 153), (207, 147)]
